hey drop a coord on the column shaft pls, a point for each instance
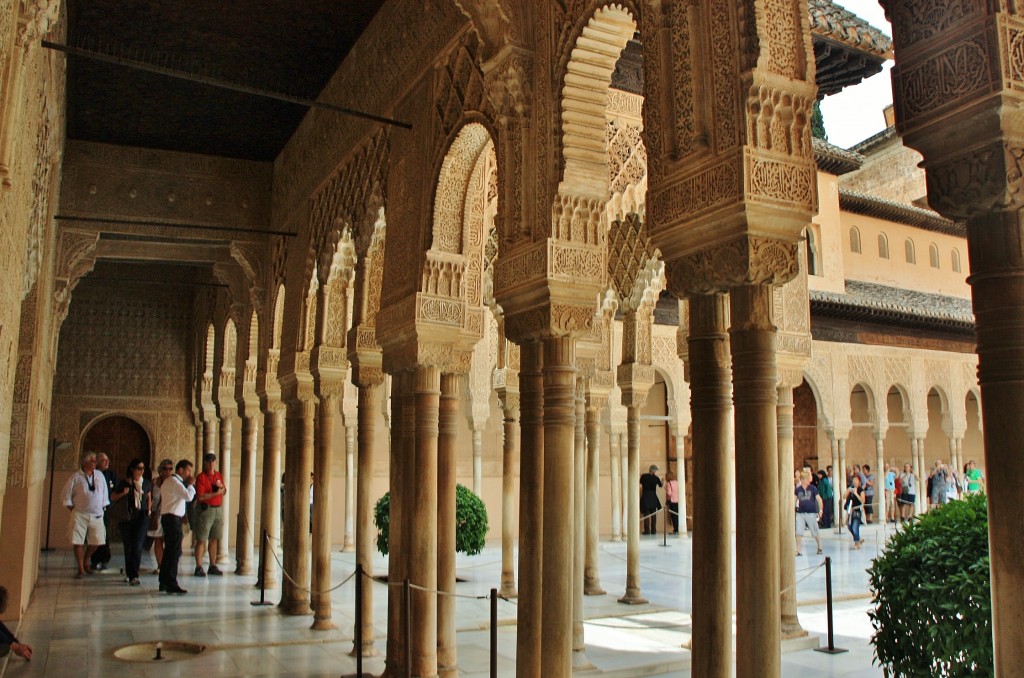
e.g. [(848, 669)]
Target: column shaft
[(787, 510), (616, 462), (624, 484), (447, 450), (365, 531), (270, 504), (752, 340), (681, 480), (632, 595), (296, 543), (226, 431), (478, 462), (403, 442), (591, 568), (209, 440), (245, 530), (531, 511), (321, 540), (559, 423), (708, 347), (840, 485), (579, 517), (508, 499), (351, 480), (421, 516)]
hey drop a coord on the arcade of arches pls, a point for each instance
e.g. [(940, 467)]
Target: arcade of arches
[(586, 255)]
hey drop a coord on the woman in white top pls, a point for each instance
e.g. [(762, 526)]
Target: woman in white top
[(156, 530)]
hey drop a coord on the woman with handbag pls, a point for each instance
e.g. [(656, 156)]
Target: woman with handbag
[(854, 503), (133, 496)]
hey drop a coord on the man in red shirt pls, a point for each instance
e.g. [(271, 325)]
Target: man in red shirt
[(210, 492)]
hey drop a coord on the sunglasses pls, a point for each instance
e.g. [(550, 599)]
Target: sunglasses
[(140, 468), (166, 468)]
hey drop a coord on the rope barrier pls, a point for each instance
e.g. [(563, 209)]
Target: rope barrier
[(802, 579), (424, 588), (647, 567), (296, 584)]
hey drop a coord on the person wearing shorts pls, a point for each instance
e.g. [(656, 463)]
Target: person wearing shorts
[(210, 492), (85, 496), (808, 510)]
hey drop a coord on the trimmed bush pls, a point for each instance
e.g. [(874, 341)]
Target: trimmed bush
[(933, 604), (470, 522)]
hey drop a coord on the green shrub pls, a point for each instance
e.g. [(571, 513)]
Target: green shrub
[(470, 522), (933, 605)]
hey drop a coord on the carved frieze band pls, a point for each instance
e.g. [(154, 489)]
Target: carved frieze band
[(746, 260), (553, 320), (697, 194)]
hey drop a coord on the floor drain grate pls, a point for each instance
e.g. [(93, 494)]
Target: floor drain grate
[(159, 651)]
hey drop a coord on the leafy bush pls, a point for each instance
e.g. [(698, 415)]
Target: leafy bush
[(470, 522), (933, 604)]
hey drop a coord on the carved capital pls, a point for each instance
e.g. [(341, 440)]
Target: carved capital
[(747, 260), (979, 181), (509, 86)]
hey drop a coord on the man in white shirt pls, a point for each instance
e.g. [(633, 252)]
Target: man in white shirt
[(85, 495), (175, 492)]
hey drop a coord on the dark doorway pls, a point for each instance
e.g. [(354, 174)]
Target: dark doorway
[(122, 439)]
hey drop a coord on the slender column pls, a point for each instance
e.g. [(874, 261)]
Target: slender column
[(960, 453), (245, 530), (591, 568), (510, 410), (632, 595), (616, 462), (478, 462), (200, 442), (446, 453), (321, 540), (365, 531), (879, 506), (681, 480), (787, 533), (922, 481), (579, 518), (531, 511), (296, 543), (350, 488), (403, 442), (270, 504), (209, 440), (559, 422), (752, 340), (952, 456), (708, 346), (226, 430), (421, 517), (624, 484)]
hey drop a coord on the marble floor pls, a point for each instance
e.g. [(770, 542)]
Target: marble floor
[(76, 625)]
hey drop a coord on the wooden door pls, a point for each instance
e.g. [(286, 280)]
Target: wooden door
[(122, 439)]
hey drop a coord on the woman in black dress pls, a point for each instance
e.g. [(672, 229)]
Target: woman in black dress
[(649, 502)]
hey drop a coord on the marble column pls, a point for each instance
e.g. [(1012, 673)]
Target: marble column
[(447, 450), (365, 530), (879, 470), (557, 574), (421, 517), (510, 419), (351, 480), (787, 510), (952, 457), (579, 519), (591, 567), (616, 489), (270, 503), (624, 483), (752, 342), (478, 462), (632, 595), (681, 480), (224, 464), (209, 441), (321, 540), (708, 348), (245, 530), (531, 511), (296, 542), (403, 444), (917, 459), (960, 453)]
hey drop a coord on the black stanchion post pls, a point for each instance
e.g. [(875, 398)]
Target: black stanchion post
[(664, 532), (831, 649), (262, 579), (407, 604), (357, 650), (494, 633)]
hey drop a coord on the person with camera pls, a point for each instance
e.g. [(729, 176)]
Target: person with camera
[(210, 491), (175, 492)]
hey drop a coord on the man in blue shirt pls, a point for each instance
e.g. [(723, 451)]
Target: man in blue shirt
[(891, 509)]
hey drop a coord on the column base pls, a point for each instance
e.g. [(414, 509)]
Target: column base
[(271, 584), (580, 661), (348, 547), (633, 598), (508, 590), (447, 671), (244, 570), (792, 629), (323, 625), (296, 609), (593, 589), (369, 649)]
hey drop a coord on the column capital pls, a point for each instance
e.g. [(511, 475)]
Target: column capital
[(745, 260)]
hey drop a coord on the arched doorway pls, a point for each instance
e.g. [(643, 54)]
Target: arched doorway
[(122, 439)]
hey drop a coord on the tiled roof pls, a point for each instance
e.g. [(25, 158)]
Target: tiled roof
[(832, 21), (871, 206), (870, 301), (835, 160)]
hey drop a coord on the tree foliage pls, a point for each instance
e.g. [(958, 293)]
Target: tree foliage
[(933, 604), (470, 522), (818, 123)]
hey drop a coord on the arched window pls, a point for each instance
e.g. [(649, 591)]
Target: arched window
[(933, 255), (812, 252), (854, 239), (883, 246), (955, 255), (909, 247)]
